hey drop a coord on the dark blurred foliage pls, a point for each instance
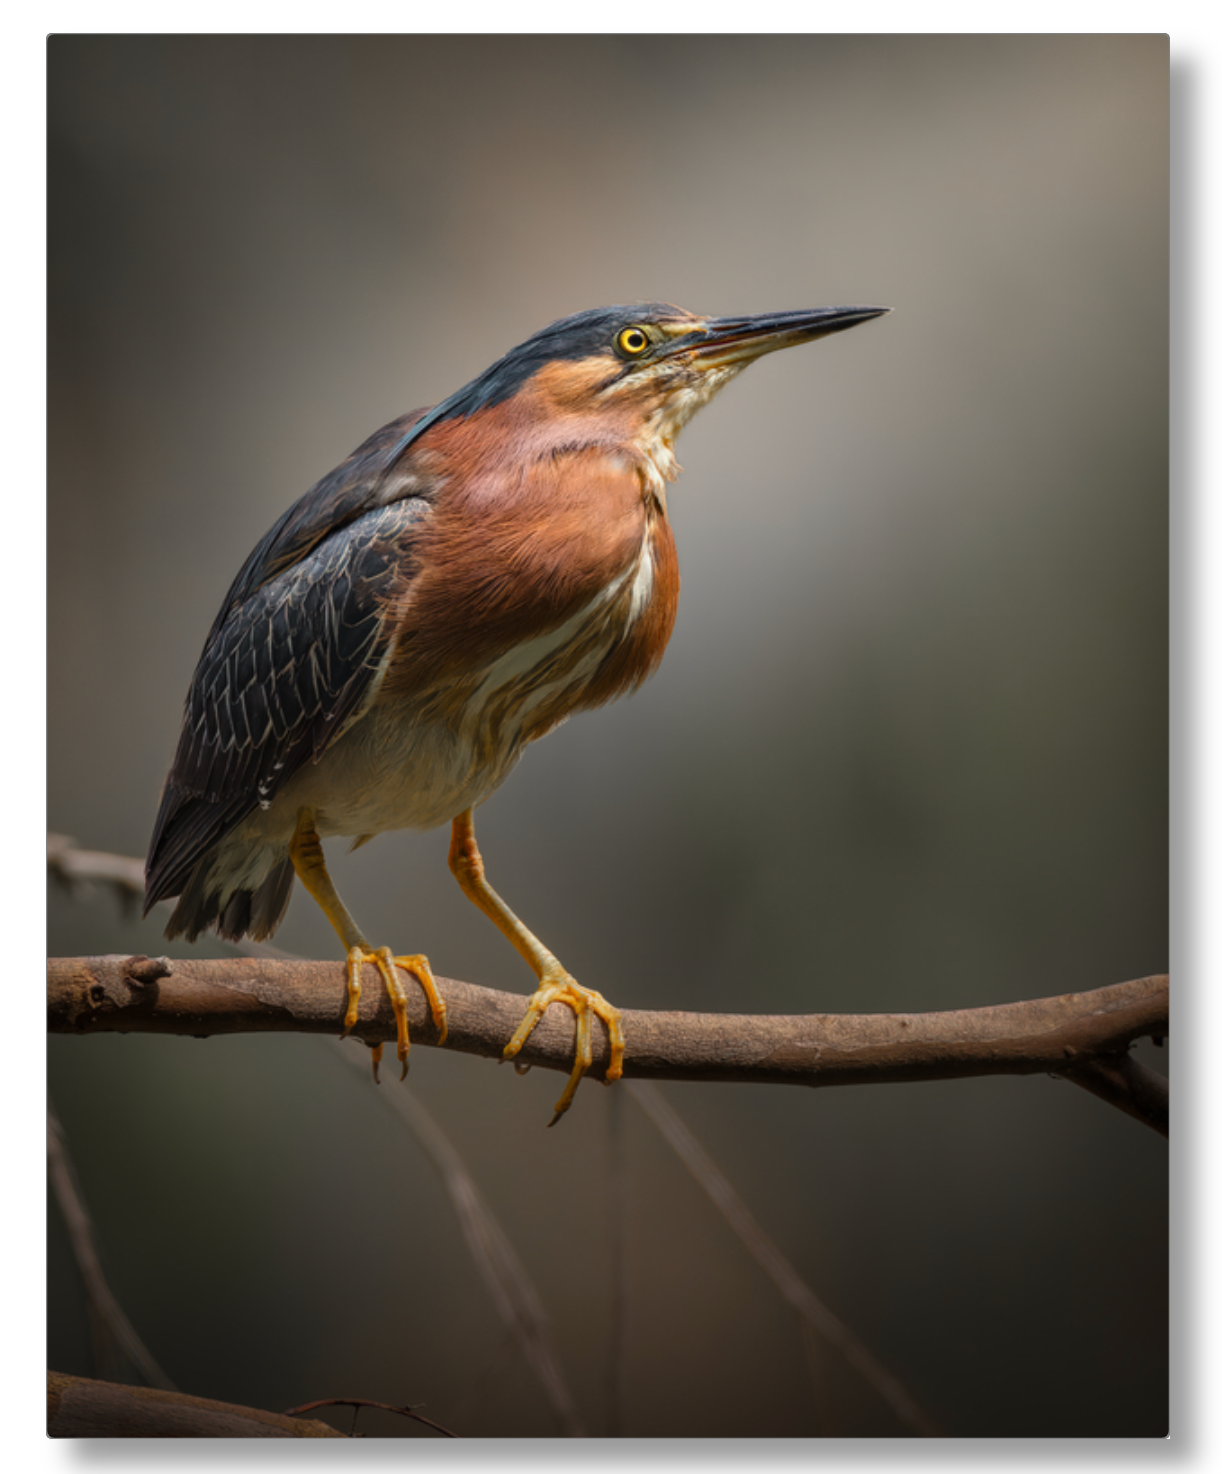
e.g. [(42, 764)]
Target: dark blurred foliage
[(908, 749)]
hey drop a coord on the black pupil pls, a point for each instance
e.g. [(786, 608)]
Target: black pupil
[(634, 340)]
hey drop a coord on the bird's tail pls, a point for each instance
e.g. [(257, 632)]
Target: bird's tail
[(253, 911)]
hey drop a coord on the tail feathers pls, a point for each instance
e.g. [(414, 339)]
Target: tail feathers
[(254, 911)]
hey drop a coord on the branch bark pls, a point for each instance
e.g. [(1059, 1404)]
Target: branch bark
[(1083, 1037), (79, 1407)]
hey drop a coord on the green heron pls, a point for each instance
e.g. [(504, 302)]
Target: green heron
[(469, 577)]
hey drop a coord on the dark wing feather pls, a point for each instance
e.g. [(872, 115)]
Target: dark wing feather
[(290, 662), (376, 474)]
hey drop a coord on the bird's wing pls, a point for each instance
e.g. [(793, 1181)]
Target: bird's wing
[(376, 474), (293, 657)]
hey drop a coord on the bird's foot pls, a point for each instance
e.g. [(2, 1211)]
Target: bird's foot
[(585, 1003), (388, 966)]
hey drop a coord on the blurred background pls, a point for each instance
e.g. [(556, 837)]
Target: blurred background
[(907, 750)]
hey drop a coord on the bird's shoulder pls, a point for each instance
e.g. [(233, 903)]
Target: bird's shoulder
[(380, 471)]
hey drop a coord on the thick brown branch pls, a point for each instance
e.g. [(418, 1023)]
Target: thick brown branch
[(246, 995), (78, 1407)]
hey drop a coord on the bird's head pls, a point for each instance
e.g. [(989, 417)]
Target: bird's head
[(644, 369)]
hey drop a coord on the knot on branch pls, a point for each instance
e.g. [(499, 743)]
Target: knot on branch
[(97, 988)]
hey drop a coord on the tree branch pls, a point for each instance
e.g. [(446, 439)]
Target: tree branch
[(71, 866), (79, 1407), (1081, 1036)]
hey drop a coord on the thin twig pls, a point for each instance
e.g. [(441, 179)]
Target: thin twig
[(360, 1402), (105, 1310), (783, 1275), (504, 1275)]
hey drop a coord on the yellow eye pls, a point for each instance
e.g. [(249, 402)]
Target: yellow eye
[(631, 342)]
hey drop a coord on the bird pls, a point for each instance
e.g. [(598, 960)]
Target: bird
[(472, 575)]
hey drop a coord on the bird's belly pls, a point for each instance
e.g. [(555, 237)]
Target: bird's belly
[(395, 769)]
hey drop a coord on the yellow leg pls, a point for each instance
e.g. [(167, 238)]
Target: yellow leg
[(305, 851), (555, 985)]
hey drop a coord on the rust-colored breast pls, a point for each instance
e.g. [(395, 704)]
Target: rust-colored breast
[(538, 518), (647, 631)]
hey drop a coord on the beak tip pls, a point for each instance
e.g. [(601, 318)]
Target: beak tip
[(742, 339)]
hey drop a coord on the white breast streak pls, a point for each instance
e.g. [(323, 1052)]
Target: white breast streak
[(527, 657), (642, 584)]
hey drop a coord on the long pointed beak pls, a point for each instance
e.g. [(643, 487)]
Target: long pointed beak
[(732, 340)]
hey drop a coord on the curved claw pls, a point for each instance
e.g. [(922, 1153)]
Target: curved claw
[(388, 966), (584, 1002)]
